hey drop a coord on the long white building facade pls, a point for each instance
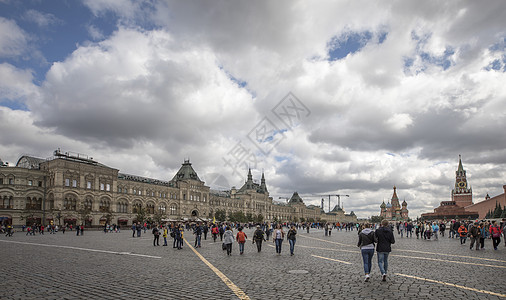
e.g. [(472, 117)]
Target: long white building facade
[(75, 189)]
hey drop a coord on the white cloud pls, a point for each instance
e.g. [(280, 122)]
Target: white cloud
[(142, 100), (40, 18), (13, 40)]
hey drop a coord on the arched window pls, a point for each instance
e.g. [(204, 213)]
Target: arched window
[(88, 203), (7, 202), (105, 205), (69, 203), (136, 207), (162, 208), (173, 209), (150, 208), (122, 207)]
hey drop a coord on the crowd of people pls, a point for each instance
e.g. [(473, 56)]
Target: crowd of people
[(477, 231), (39, 229), (382, 238)]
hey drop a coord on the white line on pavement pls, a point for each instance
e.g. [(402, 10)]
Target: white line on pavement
[(83, 249), (454, 285)]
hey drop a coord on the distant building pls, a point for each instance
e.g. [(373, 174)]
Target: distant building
[(72, 188), (488, 204), (462, 197), (392, 211)]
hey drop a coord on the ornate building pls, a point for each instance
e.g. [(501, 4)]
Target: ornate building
[(462, 196), (393, 211), (72, 188)]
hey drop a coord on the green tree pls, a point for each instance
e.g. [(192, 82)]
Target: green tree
[(302, 220), (141, 214), (108, 215), (497, 211), (376, 219), (249, 217), (84, 214), (259, 218), (220, 215), (237, 216), (158, 216)]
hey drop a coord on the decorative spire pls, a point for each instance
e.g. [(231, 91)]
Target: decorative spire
[(461, 168), (263, 186)]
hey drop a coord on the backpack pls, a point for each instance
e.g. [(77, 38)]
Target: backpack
[(495, 232), (241, 237)]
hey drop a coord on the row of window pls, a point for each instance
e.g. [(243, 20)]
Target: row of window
[(11, 181)]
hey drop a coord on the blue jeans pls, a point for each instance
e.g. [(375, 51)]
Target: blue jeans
[(241, 247), (198, 237), (383, 262), (367, 255), (278, 245), (292, 245)]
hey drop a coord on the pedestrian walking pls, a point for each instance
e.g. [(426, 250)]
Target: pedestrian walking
[(222, 232), (462, 233), (205, 230), (138, 228), (366, 240), (180, 237), (133, 229), (475, 234), (385, 238), (228, 240), (278, 236), (156, 234), (197, 231), (165, 232), (290, 236), (495, 232), (241, 239), (214, 232), (259, 238)]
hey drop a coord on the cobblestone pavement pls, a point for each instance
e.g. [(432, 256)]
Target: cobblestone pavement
[(117, 266)]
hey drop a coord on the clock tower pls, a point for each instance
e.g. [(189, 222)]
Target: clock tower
[(462, 194)]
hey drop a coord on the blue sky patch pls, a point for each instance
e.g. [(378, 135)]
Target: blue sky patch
[(41, 20), (347, 43)]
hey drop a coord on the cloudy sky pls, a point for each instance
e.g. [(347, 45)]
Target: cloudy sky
[(332, 97)]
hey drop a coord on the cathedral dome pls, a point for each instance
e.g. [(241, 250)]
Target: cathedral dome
[(389, 205), (383, 205)]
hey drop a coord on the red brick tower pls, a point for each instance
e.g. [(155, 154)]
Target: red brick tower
[(462, 195)]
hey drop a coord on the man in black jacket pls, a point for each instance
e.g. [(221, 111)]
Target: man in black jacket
[(385, 239)]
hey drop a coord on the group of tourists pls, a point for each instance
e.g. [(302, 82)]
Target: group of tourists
[(380, 240), (477, 231), (225, 231), (39, 229)]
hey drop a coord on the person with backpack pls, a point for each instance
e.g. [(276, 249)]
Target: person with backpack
[(385, 238), (258, 238), (366, 240), (495, 232), (222, 232), (474, 234), (214, 232), (291, 238), (462, 233), (229, 240), (241, 239)]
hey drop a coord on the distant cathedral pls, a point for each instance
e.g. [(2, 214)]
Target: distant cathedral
[(392, 211)]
